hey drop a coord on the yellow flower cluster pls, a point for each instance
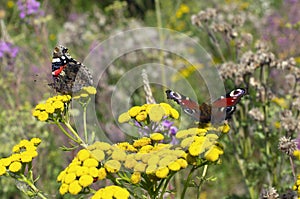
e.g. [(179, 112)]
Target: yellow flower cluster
[(80, 173), (155, 159), (145, 156), (296, 186), (53, 108), (149, 112), (85, 92), (183, 9), (282, 102), (111, 192), (23, 153), (202, 141), (296, 154)]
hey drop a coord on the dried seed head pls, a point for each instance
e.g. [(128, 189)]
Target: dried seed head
[(256, 114), (287, 146), (270, 193)]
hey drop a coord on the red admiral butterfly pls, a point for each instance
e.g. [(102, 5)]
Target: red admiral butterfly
[(204, 113), (69, 75)]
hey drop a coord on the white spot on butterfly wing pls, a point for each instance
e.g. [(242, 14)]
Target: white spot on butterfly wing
[(55, 60), (237, 92)]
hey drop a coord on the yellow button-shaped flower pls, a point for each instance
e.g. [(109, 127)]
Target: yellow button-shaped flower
[(83, 154), (15, 167), (112, 166), (74, 187), (162, 172), (85, 180), (157, 136), (134, 111)]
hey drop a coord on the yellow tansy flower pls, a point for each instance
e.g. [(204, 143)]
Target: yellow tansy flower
[(26, 157), (36, 113), (140, 167), (121, 193), (69, 178), (126, 147), (151, 169), (134, 111), (58, 105), (85, 180), (124, 117), (98, 154), (36, 141), (83, 154), (154, 159), (15, 167), (43, 116), (174, 166), (100, 145), (82, 171), (156, 113), (174, 113), (2, 170), (157, 136), (213, 153), (64, 188), (166, 107), (146, 149), (142, 142), (101, 173), (224, 129), (49, 108), (74, 187), (93, 171), (90, 162), (141, 116), (130, 162), (162, 172), (61, 176), (296, 154), (119, 154), (183, 163), (135, 177), (112, 166)]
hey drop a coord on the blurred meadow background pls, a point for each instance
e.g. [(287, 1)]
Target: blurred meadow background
[(254, 44)]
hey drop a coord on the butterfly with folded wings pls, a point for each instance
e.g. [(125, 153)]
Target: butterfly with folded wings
[(218, 110), (69, 75)]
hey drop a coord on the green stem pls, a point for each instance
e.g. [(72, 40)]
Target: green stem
[(202, 179), (293, 168), (165, 185), (79, 140), (84, 123), (65, 132), (187, 181), (32, 186), (215, 41)]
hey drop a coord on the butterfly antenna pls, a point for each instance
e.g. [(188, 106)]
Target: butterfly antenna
[(149, 97)]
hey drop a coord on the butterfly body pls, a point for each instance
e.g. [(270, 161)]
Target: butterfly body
[(69, 75), (217, 111)]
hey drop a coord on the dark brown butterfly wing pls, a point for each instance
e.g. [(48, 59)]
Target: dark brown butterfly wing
[(69, 75)]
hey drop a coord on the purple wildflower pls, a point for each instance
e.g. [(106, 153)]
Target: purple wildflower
[(28, 7), (173, 130), (7, 49), (167, 124)]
